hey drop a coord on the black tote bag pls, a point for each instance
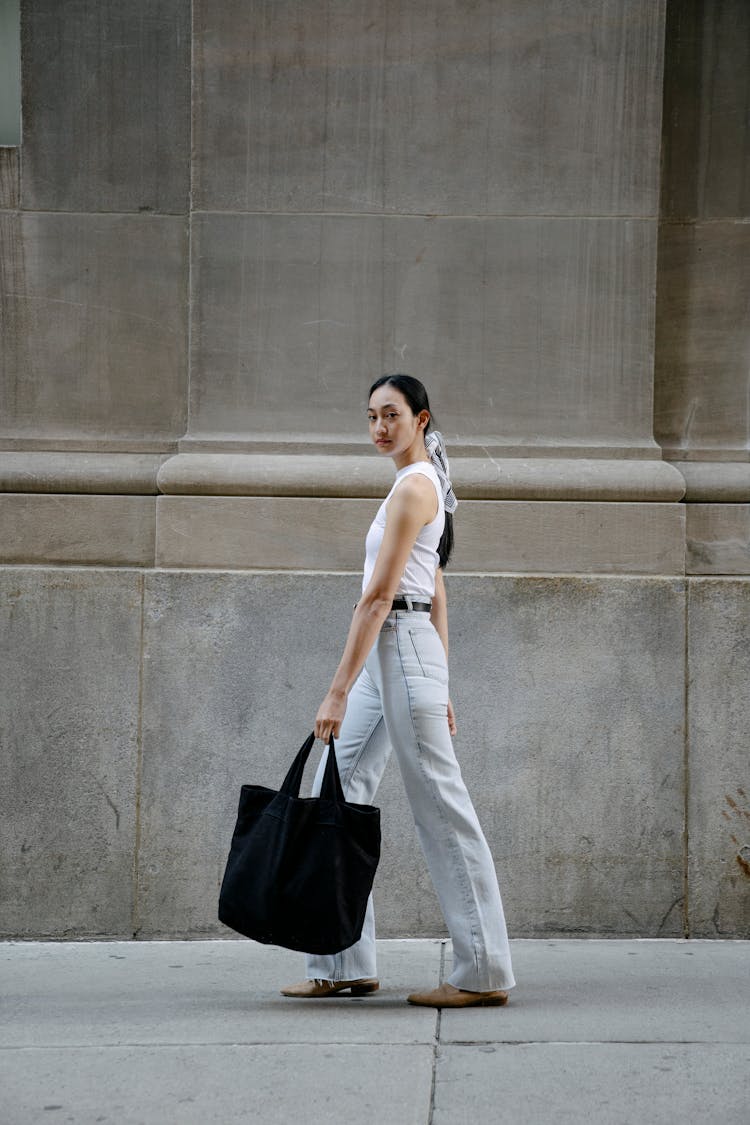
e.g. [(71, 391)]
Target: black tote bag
[(300, 869)]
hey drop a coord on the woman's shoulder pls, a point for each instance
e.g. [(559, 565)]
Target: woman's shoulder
[(416, 482), (415, 487), (419, 468), (418, 475)]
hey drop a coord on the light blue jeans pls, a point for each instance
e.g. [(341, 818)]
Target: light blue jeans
[(399, 701)]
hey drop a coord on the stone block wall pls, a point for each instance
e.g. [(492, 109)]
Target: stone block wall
[(223, 222)]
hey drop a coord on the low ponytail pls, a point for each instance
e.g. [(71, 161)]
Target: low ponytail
[(445, 546)]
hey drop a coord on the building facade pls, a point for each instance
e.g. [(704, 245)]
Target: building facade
[(223, 222)]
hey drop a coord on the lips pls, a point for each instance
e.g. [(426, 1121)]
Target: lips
[(383, 442)]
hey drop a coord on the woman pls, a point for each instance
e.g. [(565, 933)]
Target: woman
[(390, 690)]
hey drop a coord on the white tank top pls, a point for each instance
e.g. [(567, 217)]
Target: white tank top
[(418, 579)]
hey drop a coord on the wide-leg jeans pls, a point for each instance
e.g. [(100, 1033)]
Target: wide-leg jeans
[(399, 701)]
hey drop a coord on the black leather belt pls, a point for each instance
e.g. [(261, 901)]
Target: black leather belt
[(401, 603)]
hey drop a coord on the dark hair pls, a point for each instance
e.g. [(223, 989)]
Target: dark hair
[(416, 396)]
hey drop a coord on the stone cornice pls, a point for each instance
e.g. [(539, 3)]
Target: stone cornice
[(475, 478), (131, 474), (331, 475), (364, 475), (715, 481)]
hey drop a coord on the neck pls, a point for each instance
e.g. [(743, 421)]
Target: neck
[(416, 452)]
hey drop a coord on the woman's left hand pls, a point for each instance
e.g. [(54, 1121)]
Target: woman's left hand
[(330, 715), (451, 718)]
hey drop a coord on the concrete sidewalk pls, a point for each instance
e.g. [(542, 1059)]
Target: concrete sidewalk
[(192, 1033)]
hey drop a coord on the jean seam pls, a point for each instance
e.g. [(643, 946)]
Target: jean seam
[(346, 780), (465, 878), (426, 674), (345, 783), (416, 653)]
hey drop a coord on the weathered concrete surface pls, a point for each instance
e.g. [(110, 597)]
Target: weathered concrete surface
[(562, 537), (570, 704), (9, 177), (558, 337), (69, 735), (286, 532), (569, 693), (706, 144), (288, 65), (94, 325), (702, 329), (422, 201), (599, 1082), (562, 307), (570, 701), (204, 992), (718, 538), (701, 408), (235, 666), (266, 532), (417, 200), (719, 734), (429, 107), (470, 125), (106, 105), (616, 1032), (41, 529), (615, 991), (276, 294), (376, 1084)]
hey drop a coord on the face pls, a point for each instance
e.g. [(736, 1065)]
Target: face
[(394, 429)]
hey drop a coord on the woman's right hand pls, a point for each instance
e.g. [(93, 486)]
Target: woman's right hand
[(330, 715)]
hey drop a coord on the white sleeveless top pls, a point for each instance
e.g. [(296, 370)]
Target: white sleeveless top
[(418, 579)]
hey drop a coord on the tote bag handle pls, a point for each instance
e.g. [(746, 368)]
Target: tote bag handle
[(331, 789)]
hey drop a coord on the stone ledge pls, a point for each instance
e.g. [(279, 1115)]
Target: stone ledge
[(458, 447), (474, 478), (77, 472), (83, 443), (715, 481), (494, 536), (90, 530), (718, 538), (677, 454), (355, 474), (330, 474)]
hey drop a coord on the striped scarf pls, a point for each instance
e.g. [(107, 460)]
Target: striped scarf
[(435, 447)]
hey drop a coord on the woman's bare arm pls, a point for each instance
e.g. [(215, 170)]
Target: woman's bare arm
[(407, 511)]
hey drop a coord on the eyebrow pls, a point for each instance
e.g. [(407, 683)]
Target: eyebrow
[(383, 407)]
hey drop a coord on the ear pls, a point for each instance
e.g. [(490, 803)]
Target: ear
[(423, 418)]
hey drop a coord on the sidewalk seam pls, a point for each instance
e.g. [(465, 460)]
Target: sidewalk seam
[(436, 1041)]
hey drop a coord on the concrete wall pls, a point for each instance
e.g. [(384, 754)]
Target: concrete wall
[(140, 701), (224, 220)]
